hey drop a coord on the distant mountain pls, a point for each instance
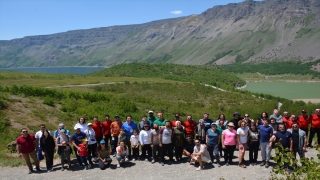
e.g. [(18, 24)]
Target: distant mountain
[(250, 31)]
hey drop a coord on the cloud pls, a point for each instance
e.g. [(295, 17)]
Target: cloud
[(176, 12)]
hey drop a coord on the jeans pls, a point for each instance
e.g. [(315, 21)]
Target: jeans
[(155, 149), (65, 155), (49, 159), (92, 149), (114, 144), (146, 148), (33, 155), (313, 131), (102, 165), (265, 150), (214, 152), (253, 151), (84, 160), (178, 152), (40, 156), (228, 153), (78, 157), (166, 148), (220, 149), (135, 152), (128, 143)]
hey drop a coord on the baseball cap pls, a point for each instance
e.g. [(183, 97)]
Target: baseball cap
[(150, 112), (89, 124)]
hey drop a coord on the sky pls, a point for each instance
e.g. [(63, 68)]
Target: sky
[(20, 18)]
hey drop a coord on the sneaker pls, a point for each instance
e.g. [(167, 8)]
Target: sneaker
[(267, 164), (133, 159), (218, 164), (118, 165), (114, 155), (162, 163), (263, 163), (252, 164), (49, 171), (138, 159), (38, 169), (199, 168), (146, 160), (227, 164), (242, 165), (153, 161), (126, 160), (62, 169), (34, 167), (89, 166), (30, 171)]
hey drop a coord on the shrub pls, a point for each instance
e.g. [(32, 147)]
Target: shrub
[(48, 101)]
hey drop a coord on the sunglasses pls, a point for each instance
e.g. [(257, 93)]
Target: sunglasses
[(197, 142), (24, 131)]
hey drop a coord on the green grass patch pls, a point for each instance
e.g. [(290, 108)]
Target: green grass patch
[(302, 32), (309, 19)]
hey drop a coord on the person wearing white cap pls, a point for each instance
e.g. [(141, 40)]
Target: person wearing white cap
[(92, 142), (56, 133), (151, 117), (76, 139)]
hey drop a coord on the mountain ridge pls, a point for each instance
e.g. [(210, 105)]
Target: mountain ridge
[(250, 31)]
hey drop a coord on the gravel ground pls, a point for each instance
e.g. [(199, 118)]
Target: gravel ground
[(145, 170)]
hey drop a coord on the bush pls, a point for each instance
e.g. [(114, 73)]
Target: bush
[(48, 101)]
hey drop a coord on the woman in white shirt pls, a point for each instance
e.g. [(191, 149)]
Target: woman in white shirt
[(242, 139), (144, 138), (92, 142), (82, 124)]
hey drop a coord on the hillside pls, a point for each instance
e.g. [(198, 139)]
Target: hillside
[(250, 31)]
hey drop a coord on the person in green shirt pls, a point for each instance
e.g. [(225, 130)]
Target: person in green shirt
[(220, 128), (151, 117), (160, 121)]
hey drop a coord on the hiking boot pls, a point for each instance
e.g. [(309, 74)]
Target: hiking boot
[(153, 161), (118, 165), (227, 164), (267, 164), (62, 169), (263, 163)]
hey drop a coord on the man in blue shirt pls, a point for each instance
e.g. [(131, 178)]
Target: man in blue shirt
[(266, 132), (128, 127), (207, 121), (76, 139)]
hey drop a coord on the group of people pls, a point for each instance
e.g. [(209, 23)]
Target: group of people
[(203, 141)]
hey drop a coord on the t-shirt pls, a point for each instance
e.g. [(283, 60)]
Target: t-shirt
[(243, 134), (104, 153), (106, 125), (91, 136), (315, 121), (83, 127), (122, 152), (134, 140), (26, 143), (229, 137), (289, 124), (189, 146), (160, 122), (213, 137), (152, 119), (295, 139), (97, 127), (254, 136), (166, 135), (303, 122), (190, 126), (128, 128), (77, 138), (83, 151), (265, 133), (202, 149), (154, 136), (284, 138), (144, 137), (39, 135), (115, 126)]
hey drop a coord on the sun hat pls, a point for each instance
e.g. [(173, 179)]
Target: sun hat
[(231, 124)]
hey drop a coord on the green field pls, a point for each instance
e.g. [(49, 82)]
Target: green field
[(290, 90)]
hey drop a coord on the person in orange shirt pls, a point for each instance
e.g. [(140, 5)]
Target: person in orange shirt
[(173, 122), (304, 121), (291, 120), (315, 127), (190, 125), (97, 127), (285, 117), (115, 131), (106, 129)]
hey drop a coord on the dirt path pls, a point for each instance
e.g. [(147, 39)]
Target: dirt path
[(145, 170)]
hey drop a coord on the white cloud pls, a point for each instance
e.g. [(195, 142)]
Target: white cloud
[(176, 12)]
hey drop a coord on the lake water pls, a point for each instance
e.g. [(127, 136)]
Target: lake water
[(57, 70)]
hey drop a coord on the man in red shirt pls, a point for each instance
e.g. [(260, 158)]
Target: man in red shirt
[(173, 122), (190, 125), (27, 146), (286, 117), (304, 121), (106, 126), (315, 127), (97, 127)]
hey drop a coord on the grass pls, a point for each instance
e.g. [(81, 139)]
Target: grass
[(254, 77)]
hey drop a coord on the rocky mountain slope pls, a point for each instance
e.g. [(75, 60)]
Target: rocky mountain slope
[(250, 31)]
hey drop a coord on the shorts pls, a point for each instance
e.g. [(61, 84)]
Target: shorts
[(205, 159), (40, 156)]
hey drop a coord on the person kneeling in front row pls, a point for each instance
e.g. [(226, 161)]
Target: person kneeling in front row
[(122, 153), (103, 155), (200, 154)]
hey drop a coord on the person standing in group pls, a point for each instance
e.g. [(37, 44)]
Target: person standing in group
[(188, 147), (143, 122), (57, 132), (154, 140), (276, 116), (151, 117), (160, 121), (304, 121), (27, 146), (213, 140), (315, 127), (128, 127), (200, 132), (285, 117), (274, 125), (64, 149), (144, 138), (221, 127), (253, 144), (266, 132), (83, 153), (190, 126), (106, 129), (92, 143), (176, 118), (115, 131), (48, 145), (207, 121), (235, 120), (97, 127), (82, 124), (242, 139), (38, 136), (165, 140), (222, 117), (134, 143), (76, 140), (178, 140), (122, 153), (248, 120), (103, 152), (290, 121), (200, 154), (299, 140), (229, 143), (263, 115)]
